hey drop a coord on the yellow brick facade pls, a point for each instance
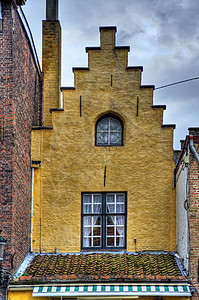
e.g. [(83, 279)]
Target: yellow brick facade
[(71, 163), (51, 67)]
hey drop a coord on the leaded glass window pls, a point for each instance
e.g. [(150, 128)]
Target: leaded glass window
[(109, 132), (103, 220)]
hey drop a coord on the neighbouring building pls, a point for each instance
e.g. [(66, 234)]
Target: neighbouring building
[(20, 109), (187, 200), (104, 209)]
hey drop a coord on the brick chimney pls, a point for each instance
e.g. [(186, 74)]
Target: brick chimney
[(51, 60)]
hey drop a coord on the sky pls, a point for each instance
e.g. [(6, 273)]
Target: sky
[(163, 37)]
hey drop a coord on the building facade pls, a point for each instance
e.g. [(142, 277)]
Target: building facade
[(20, 109), (88, 199), (104, 212), (187, 190)]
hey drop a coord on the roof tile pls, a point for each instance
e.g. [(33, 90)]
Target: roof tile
[(103, 267)]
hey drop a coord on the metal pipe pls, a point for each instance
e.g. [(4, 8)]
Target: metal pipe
[(137, 106), (193, 149), (31, 209), (51, 10)]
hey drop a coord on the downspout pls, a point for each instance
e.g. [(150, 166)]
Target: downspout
[(31, 209), (193, 149)]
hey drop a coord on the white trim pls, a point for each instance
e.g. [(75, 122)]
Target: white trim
[(24, 264)]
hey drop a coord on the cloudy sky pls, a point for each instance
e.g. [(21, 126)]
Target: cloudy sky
[(163, 37)]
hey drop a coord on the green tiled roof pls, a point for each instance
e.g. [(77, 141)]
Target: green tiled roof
[(103, 267)]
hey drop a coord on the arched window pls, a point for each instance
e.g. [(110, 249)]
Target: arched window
[(109, 131)]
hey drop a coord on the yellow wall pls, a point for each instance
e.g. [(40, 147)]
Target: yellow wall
[(24, 295), (51, 67), (71, 163)]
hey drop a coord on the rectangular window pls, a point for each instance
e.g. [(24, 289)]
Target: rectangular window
[(103, 220)]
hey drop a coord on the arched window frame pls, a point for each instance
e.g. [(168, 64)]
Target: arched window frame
[(122, 130)]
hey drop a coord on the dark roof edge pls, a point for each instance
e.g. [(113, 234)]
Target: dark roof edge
[(159, 106), (92, 48), (42, 128), (67, 88), (123, 47), (108, 28), (116, 48), (193, 128), (134, 68), (169, 125), (80, 69), (56, 109), (147, 87), (36, 162)]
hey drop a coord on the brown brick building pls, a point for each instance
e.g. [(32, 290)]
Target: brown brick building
[(20, 109), (187, 190)]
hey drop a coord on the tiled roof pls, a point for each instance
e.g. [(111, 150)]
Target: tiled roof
[(103, 267)]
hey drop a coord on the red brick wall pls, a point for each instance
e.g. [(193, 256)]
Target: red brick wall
[(194, 220), (20, 109)]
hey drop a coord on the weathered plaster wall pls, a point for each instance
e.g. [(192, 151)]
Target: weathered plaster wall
[(24, 295), (187, 196), (71, 163), (182, 212), (51, 66)]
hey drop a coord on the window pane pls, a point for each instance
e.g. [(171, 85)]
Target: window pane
[(119, 220), (110, 198), (110, 220), (87, 242), (120, 198), (92, 231), (92, 204), (87, 208), (110, 242), (87, 231), (87, 220), (120, 231), (115, 125), (97, 206), (119, 208), (97, 220), (102, 138), (96, 231), (96, 242), (99, 212), (110, 231), (119, 241), (97, 198), (110, 208), (87, 198), (115, 138), (110, 203), (103, 125), (109, 132)]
